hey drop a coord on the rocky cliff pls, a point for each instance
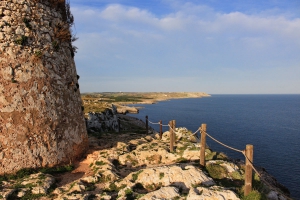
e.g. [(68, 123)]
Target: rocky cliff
[(135, 167), (41, 121)]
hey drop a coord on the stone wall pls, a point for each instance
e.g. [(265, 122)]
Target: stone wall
[(41, 120)]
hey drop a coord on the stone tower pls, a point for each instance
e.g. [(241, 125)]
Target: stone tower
[(41, 119)]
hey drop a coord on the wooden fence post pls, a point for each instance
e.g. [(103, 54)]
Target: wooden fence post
[(203, 145), (171, 136), (248, 170), (160, 129), (146, 124)]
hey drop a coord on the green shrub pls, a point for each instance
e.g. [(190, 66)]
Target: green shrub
[(181, 160), (236, 175), (254, 195), (216, 171), (129, 194), (58, 169)]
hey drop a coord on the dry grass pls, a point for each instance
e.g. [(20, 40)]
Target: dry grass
[(62, 33)]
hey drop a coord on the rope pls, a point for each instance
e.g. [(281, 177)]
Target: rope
[(196, 132), (225, 144), (158, 123), (234, 149), (152, 122), (172, 129), (261, 177)]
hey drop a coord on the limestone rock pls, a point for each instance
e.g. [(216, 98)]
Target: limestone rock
[(212, 193), (123, 193), (172, 175), (89, 179), (163, 193), (105, 121), (126, 109), (191, 154), (41, 183), (122, 146), (5, 193)]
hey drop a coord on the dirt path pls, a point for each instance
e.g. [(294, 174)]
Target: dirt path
[(102, 141)]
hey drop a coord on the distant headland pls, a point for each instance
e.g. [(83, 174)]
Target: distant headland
[(98, 102)]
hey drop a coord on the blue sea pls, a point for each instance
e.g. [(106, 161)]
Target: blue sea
[(270, 122)]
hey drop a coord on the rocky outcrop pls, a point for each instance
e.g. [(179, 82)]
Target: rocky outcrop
[(125, 171), (102, 122), (109, 119), (41, 120), (122, 109), (215, 192)]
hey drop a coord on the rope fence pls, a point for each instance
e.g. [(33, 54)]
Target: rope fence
[(234, 149), (248, 152)]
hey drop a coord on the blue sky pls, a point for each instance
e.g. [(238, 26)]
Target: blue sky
[(213, 46)]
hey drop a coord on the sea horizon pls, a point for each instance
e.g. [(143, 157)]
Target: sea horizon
[(268, 121)]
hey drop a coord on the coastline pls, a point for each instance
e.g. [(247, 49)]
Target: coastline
[(154, 98)]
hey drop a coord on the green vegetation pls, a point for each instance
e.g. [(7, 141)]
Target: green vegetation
[(98, 102), (212, 155), (23, 173), (95, 107), (181, 160), (90, 187), (38, 54), (129, 194), (58, 169), (254, 195), (161, 175), (114, 188), (22, 40), (150, 187), (136, 175), (26, 172), (187, 146), (133, 161), (216, 171), (100, 162), (28, 196), (236, 175)]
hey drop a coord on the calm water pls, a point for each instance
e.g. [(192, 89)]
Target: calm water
[(270, 122)]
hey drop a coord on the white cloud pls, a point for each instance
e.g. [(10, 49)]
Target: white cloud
[(121, 41), (118, 12)]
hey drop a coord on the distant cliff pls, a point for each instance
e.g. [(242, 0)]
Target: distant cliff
[(41, 121)]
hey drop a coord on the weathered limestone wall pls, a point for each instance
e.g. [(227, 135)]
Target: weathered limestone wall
[(41, 121), (103, 122)]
